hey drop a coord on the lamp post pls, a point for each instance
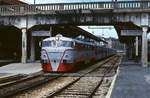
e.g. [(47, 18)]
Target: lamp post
[(34, 2), (114, 3)]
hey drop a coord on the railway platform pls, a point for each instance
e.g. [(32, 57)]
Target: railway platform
[(133, 81), (19, 68), (6, 62)]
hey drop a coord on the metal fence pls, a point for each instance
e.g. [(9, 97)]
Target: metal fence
[(45, 8)]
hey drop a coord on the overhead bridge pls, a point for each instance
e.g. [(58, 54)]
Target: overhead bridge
[(47, 8), (98, 13)]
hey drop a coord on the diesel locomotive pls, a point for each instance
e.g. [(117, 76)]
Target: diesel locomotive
[(64, 54)]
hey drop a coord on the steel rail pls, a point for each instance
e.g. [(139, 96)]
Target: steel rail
[(11, 78), (101, 81), (26, 84), (76, 80)]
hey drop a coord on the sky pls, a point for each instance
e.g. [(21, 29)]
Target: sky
[(66, 1), (96, 30), (104, 31), (62, 1)]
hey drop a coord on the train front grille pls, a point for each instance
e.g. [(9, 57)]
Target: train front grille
[(55, 58)]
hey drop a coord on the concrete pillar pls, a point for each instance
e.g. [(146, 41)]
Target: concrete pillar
[(127, 51), (24, 46), (131, 51), (144, 47), (110, 43), (32, 56), (137, 46)]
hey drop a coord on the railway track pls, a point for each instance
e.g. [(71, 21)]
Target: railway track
[(88, 81), (56, 85), (6, 79), (84, 86), (16, 86)]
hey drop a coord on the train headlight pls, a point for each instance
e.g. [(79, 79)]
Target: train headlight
[(67, 61), (44, 55), (66, 56)]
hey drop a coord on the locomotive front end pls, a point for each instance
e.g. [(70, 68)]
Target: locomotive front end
[(57, 54)]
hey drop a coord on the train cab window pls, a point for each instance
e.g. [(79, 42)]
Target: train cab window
[(48, 43), (65, 44)]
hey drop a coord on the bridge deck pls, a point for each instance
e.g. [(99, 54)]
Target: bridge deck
[(51, 8)]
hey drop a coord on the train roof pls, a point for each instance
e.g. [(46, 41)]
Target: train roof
[(69, 39), (62, 38)]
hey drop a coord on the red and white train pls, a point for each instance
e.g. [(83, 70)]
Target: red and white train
[(63, 54)]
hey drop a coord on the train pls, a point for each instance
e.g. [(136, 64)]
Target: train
[(65, 54)]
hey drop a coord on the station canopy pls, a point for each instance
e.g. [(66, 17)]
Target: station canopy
[(73, 32)]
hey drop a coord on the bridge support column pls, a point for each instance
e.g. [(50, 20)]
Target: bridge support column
[(129, 51), (137, 46), (32, 57), (144, 47), (24, 46)]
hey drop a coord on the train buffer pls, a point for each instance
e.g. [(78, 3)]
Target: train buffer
[(133, 81)]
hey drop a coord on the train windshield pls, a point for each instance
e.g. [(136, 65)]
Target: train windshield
[(64, 43), (59, 43), (49, 43)]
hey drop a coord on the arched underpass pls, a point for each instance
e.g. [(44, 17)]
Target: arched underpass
[(10, 43)]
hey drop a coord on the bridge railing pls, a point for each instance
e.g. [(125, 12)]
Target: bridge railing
[(39, 8), (46, 8), (133, 5)]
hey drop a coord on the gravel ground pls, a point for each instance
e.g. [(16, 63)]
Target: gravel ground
[(45, 89), (102, 91)]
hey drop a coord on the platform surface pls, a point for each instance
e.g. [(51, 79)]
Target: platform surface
[(19, 68), (133, 81)]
